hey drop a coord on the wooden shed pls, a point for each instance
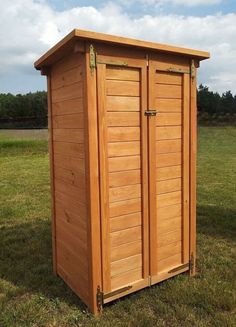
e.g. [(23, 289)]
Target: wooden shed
[(122, 123)]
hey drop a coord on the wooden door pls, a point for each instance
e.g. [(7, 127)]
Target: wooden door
[(169, 80), (122, 101)]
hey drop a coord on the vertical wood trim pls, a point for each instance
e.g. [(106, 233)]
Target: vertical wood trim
[(104, 182), (152, 171), (92, 181), (144, 171), (193, 158), (185, 171), (50, 143)]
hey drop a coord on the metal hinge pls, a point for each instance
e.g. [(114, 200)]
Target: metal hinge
[(193, 69), (189, 265), (92, 58), (99, 299), (192, 263)]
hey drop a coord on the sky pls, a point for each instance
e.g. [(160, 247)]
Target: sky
[(28, 28)]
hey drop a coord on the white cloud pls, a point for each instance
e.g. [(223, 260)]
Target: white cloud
[(28, 28), (158, 3)]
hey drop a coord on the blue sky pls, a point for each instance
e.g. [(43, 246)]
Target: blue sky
[(28, 28)]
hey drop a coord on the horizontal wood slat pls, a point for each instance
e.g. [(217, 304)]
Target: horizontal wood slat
[(118, 149), (165, 173), (68, 135), (73, 191), (168, 119), (124, 207), (69, 162), (168, 133), (168, 105), (67, 78), (126, 221), (169, 212), (124, 193), (129, 119), (170, 262), (69, 121), (124, 74), (68, 92), (127, 88), (168, 91), (73, 177), (126, 250), (124, 163), (126, 264), (75, 150), (168, 78), (168, 159), (168, 146), (168, 238), (69, 106), (169, 185), (168, 199), (126, 278), (122, 103), (169, 250), (125, 236), (168, 225), (123, 178), (118, 134)]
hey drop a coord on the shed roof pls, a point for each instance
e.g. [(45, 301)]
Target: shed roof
[(68, 42)]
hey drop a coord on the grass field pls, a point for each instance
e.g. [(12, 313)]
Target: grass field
[(30, 295)]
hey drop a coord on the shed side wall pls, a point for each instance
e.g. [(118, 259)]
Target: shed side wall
[(67, 83)]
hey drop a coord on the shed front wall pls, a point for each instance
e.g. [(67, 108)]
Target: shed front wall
[(144, 167), (66, 87)]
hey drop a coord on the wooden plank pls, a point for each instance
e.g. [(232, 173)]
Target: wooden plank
[(73, 191), (168, 133), (69, 162), (168, 159), (169, 119), (67, 77), (69, 106), (92, 172), (193, 158), (118, 134), (72, 91), (170, 211), (168, 91), (124, 163), (117, 149), (123, 178), (69, 121), (67, 63), (168, 78), (169, 185), (68, 135), (129, 119), (126, 250), (168, 199), (70, 203), (123, 73), (124, 207), (185, 167), (165, 173), (170, 262), (76, 178), (130, 263), (168, 146), (170, 237), (123, 103), (126, 278), (124, 193), (126, 221), (169, 250), (168, 105), (104, 181), (75, 150), (126, 236), (127, 88), (51, 157), (168, 225)]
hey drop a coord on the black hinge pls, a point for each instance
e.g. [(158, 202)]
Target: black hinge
[(150, 113), (99, 299)]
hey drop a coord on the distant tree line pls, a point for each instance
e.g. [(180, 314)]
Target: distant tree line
[(30, 110)]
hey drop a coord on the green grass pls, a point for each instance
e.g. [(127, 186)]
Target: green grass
[(30, 295)]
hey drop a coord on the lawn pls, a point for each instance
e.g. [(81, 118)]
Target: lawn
[(30, 295)]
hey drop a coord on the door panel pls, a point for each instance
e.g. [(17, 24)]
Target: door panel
[(123, 174), (168, 167)]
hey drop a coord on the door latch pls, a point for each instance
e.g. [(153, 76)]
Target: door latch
[(150, 113)]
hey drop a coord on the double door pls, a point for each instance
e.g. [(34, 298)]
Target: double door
[(143, 111)]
